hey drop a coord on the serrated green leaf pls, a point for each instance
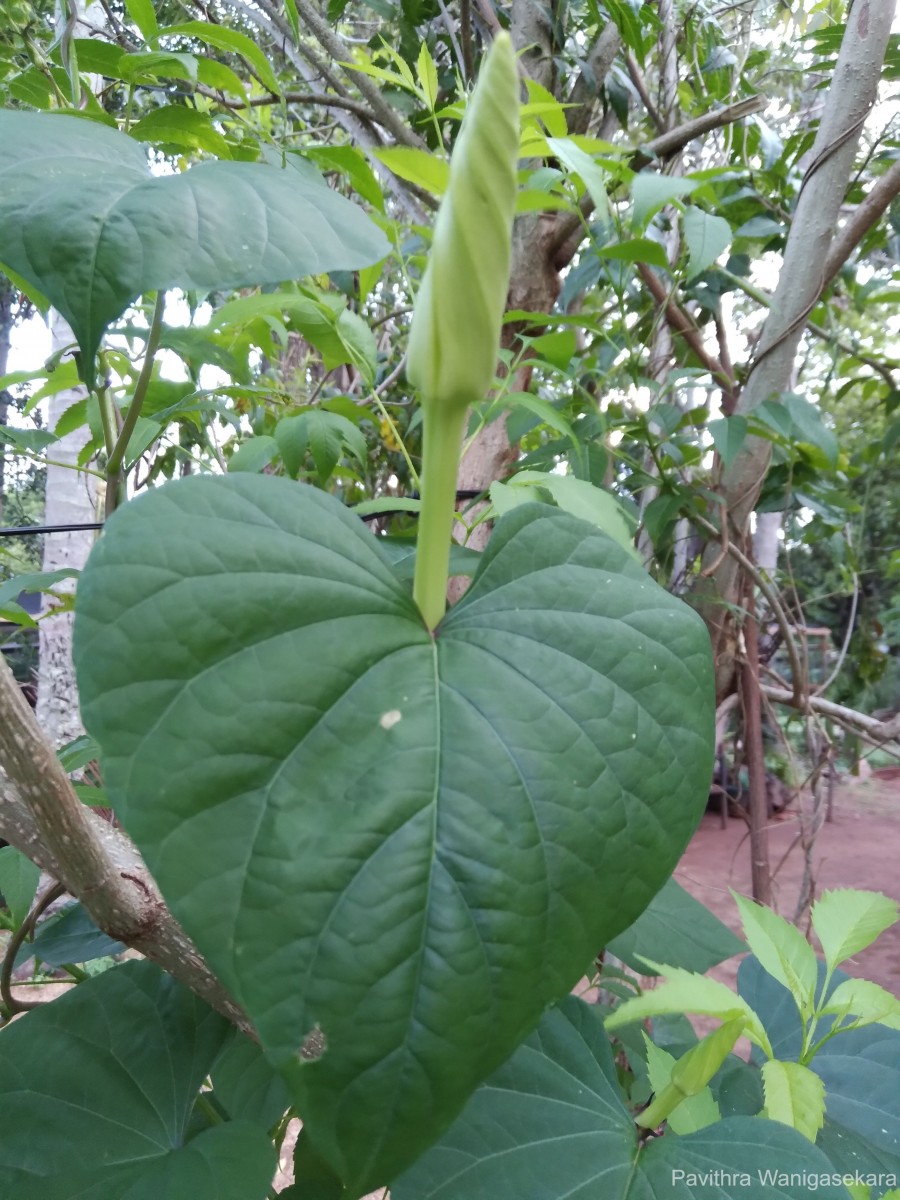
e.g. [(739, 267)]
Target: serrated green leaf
[(685, 992), (795, 1095), (126, 1138), (72, 191), (707, 236), (846, 921), (358, 888), (19, 879), (782, 949), (866, 1001), (550, 1125)]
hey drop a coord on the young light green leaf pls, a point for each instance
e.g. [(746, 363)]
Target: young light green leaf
[(637, 250), (706, 236), (253, 455), (866, 1001), (176, 125), (421, 167), (782, 950), (684, 992), (695, 1069), (427, 73), (545, 105), (582, 499), (19, 879), (795, 1095), (692, 1112), (34, 581), (580, 163), (846, 921)]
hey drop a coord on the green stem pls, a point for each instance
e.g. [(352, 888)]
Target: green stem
[(114, 475), (441, 447)]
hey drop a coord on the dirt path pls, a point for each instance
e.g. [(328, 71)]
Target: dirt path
[(860, 848)]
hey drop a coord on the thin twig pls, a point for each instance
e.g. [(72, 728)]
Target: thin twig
[(13, 1003)]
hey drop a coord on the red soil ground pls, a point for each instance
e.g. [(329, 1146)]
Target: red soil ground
[(859, 848)]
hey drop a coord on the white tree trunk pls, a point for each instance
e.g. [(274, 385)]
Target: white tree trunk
[(70, 500), (766, 541)]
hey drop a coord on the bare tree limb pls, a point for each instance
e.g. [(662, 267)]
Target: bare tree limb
[(876, 731), (95, 862), (587, 86), (571, 224), (384, 113), (851, 95), (858, 224), (317, 99), (679, 322)]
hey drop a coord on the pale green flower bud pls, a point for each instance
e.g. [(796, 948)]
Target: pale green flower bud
[(455, 331)]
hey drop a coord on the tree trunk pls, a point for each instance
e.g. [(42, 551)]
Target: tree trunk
[(70, 500), (851, 96)]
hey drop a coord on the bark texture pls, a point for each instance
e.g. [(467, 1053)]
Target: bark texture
[(70, 499)]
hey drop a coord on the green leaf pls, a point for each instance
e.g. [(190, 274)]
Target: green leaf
[(706, 236), (417, 166), (19, 879), (685, 992), (795, 1095), (782, 949), (177, 125), (846, 921), (36, 581), (550, 1125), (576, 496), (326, 435), (246, 1086), (78, 753), (679, 928), (728, 435), (30, 440), (428, 77), (650, 191), (358, 887), (224, 38), (809, 428), (254, 455), (72, 937), (580, 163), (158, 64), (866, 1001), (141, 12), (637, 250), (542, 409), (73, 192), (151, 1043)]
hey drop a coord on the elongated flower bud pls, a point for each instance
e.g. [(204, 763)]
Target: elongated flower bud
[(455, 331)]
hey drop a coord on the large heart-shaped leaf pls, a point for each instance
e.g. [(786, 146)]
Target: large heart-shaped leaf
[(82, 219), (395, 849), (551, 1125), (96, 1090)]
